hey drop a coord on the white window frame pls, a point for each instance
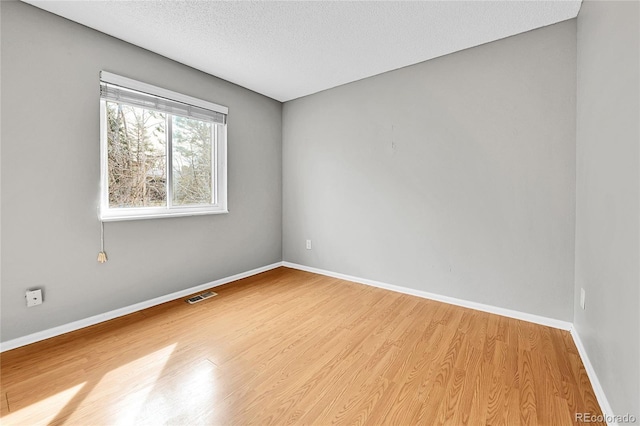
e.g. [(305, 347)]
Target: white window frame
[(219, 148)]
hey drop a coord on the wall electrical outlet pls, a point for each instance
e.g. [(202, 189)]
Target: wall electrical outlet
[(582, 297), (308, 244), (34, 297)]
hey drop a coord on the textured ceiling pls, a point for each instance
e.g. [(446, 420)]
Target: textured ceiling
[(290, 49)]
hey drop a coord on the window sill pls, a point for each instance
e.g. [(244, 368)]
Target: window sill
[(111, 217)]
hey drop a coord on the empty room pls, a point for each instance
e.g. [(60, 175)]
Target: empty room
[(320, 212)]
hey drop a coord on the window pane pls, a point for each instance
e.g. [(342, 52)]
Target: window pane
[(192, 144), (136, 144)]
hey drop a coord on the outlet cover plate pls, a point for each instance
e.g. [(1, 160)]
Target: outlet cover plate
[(34, 297)]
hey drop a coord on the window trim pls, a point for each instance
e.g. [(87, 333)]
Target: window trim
[(219, 150)]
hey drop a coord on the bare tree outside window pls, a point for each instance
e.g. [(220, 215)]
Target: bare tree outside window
[(136, 140), (192, 168)]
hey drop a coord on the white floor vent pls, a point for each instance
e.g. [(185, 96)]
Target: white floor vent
[(200, 297)]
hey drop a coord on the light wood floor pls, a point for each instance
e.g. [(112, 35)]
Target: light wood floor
[(290, 347)]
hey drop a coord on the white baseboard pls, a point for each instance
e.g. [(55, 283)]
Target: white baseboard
[(76, 325), (593, 377), (550, 322)]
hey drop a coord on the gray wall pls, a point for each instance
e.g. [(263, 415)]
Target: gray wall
[(454, 176), (50, 178), (607, 201)]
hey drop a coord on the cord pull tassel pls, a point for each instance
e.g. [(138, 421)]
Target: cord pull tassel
[(102, 257)]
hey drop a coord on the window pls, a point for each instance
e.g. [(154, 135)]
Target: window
[(163, 154)]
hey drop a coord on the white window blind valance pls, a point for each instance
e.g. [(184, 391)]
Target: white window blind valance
[(121, 89)]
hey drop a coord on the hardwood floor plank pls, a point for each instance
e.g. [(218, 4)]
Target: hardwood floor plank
[(292, 347), (455, 408), (433, 386), (496, 389), (528, 401)]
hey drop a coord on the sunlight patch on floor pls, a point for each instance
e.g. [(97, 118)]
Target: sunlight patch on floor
[(43, 411), (183, 397), (122, 392)]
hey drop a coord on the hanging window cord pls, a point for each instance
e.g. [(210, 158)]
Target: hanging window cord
[(102, 256)]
